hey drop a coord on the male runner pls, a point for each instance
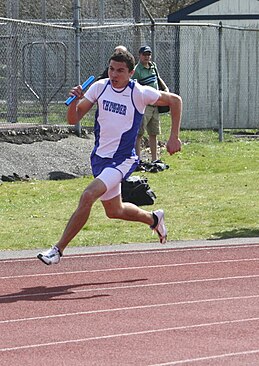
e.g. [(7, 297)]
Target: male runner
[(121, 104)]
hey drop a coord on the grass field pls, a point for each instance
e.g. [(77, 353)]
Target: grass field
[(210, 191)]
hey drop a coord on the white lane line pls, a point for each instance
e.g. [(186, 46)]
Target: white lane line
[(207, 358), (144, 332), (129, 308), (137, 252), (53, 293), (132, 268)]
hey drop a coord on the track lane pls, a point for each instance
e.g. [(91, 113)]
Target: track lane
[(171, 306)]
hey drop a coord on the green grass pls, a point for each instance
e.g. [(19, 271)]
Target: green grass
[(210, 192)]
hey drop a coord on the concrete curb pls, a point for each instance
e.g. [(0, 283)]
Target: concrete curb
[(9, 254)]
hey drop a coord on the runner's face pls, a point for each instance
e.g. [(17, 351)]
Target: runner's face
[(119, 74)]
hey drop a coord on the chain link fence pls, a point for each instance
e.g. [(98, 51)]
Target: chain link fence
[(214, 68)]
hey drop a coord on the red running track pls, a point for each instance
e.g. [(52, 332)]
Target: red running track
[(189, 306)]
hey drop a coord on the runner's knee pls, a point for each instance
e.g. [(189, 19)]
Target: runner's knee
[(87, 198)]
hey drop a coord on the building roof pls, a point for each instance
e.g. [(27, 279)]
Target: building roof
[(186, 13)]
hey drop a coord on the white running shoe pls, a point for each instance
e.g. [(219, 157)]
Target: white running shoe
[(51, 256), (160, 227)]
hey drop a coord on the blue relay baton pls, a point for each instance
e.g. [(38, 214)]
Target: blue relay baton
[(84, 86)]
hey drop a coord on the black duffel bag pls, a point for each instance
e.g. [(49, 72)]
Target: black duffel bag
[(137, 190)]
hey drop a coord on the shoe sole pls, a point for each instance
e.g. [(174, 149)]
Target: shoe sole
[(40, 257), (163, 240)]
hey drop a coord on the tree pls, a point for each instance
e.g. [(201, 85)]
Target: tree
[(113, 8)]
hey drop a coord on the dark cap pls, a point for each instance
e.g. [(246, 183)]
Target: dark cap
[(145, 49)]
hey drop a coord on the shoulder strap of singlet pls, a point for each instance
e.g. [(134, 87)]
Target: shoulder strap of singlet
[(105, 86)]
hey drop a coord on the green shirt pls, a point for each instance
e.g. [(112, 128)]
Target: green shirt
[(146, 76)]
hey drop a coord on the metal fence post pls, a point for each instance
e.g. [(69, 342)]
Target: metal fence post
[(153, 44), (101, 41), (77, 27), (44, 66), (220, 81), (12, 69), (137, 32)]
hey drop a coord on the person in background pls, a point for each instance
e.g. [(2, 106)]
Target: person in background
[(121, 104), (146, 73), (104, 75)]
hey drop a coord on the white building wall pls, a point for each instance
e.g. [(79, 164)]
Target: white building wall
[(233, 7), (230, 7), (199, 86)]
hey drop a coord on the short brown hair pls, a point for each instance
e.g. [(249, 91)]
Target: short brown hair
[(126, 57)]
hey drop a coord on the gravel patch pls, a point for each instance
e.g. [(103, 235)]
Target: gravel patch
[(67, 157), (47, 152)]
